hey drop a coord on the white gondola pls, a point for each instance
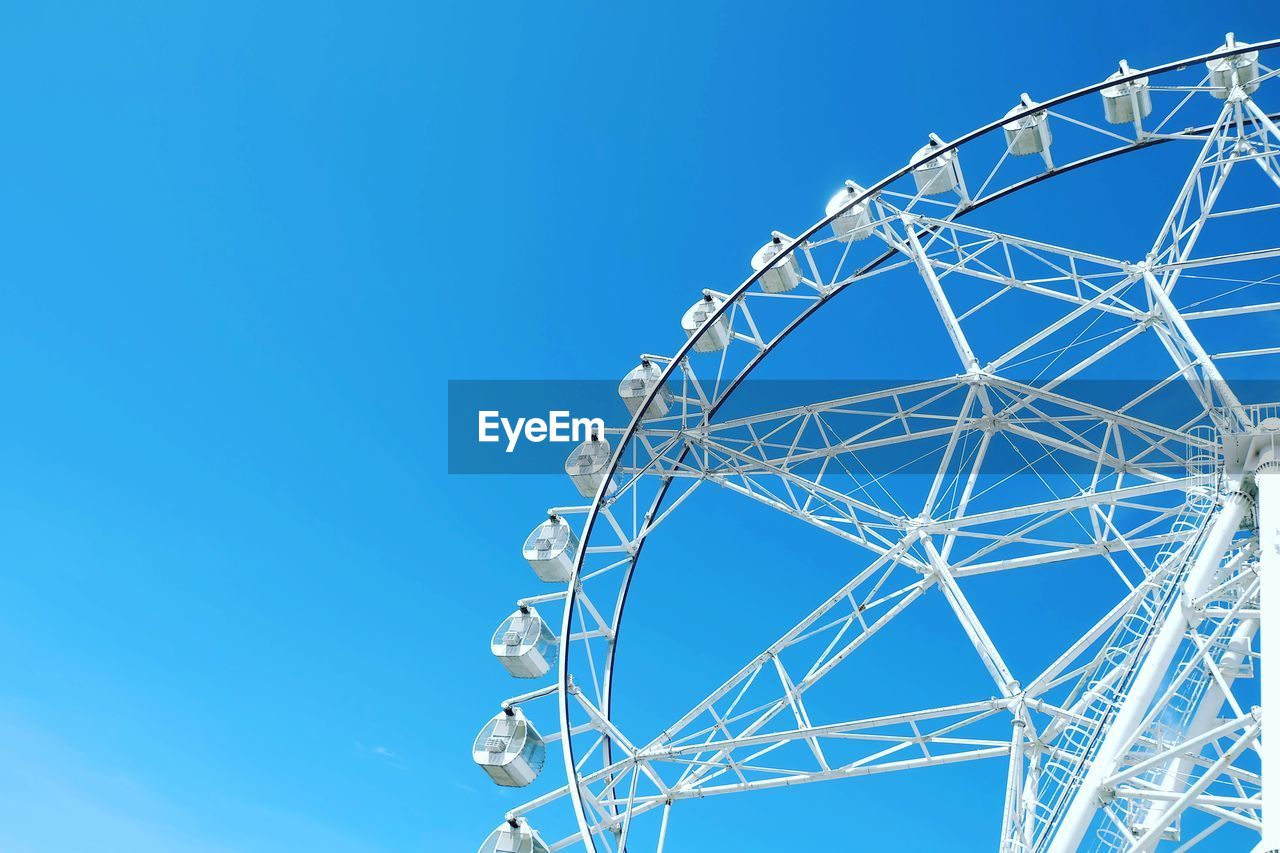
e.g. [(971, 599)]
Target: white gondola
[(636, 385), (718, 335), (514, 836), (854, 223), (1245, 66), (551, 550), (510, 749), (1124, 102), (586, 465), (525, 645), (1028, 134), (938, 175), (784, 275)]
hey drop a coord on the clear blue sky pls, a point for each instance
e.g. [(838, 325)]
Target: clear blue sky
[(242, 606)]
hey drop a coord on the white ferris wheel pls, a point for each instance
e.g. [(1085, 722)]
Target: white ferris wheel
[(1144, 731)]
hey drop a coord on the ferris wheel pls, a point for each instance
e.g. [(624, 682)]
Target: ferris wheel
[(1019, 454)]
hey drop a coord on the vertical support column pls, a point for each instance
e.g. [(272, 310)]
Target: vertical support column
[(1267, 476), (1124, 728), (1175, 778)]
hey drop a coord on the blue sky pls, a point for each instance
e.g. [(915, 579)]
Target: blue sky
[(243, 606)]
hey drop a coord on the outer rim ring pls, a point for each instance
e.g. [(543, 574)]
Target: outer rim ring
[(575, 795)]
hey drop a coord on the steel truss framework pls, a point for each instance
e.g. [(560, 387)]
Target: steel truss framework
[(1140, 733)]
